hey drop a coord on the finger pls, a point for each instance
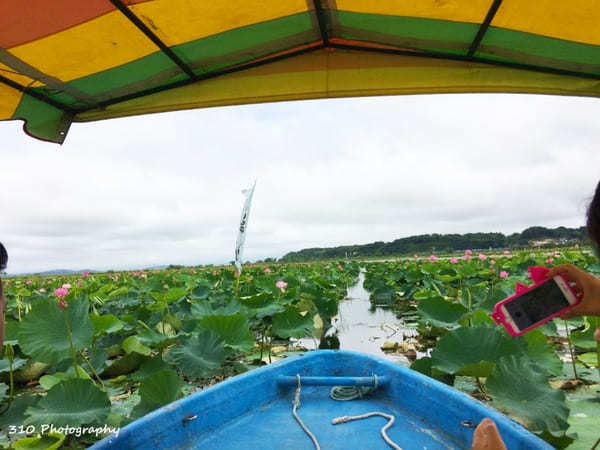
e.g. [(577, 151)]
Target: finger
[(561, 269), (597, 334)]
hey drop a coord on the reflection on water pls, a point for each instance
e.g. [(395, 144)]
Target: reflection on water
[(362, 327)]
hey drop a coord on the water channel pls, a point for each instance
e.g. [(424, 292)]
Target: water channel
[(362, 327)]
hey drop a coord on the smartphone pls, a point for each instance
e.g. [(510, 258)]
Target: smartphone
[(535, 305)]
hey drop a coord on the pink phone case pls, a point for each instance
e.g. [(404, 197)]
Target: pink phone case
[(538, 275)]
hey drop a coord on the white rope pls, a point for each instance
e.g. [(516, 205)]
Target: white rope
[(390, 418), (296, 406)]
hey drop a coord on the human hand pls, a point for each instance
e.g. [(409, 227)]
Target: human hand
[(584, 283)]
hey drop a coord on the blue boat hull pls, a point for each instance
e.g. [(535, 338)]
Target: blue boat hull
[(254, 411)]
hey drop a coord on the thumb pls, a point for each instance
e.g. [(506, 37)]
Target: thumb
[(597, 334)]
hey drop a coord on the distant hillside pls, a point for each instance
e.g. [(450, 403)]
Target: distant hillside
[(447, 243)]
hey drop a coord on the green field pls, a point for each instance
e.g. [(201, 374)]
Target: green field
[(126, 343)]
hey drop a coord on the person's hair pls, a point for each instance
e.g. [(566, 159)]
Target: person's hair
[(3, 257), (3, 262), (593, 219)]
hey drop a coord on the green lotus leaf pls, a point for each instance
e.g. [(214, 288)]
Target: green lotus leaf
[(441, 313), (50, 441), (199, 355), (585, 410), (589, 359), (43, 332), (72, 402), (423, 365), (150, 366), (542, 352), (201, 291), (16, 411), (156, 390), (585, 339), (291, 323), (49, 381), (257, 301), (203, 309), (172, 295), (267, 311), (16, 364), (126, 364), (119, 291), (132, 344), (107, 323), (520, 389), (472, 350), (233, 330), (153, 338)]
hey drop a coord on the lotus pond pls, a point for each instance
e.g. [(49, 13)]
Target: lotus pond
[(100, 350)]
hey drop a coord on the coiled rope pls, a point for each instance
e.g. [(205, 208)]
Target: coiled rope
[(346, 393)]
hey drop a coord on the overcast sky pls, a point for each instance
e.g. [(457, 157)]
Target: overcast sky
[(166, 188)]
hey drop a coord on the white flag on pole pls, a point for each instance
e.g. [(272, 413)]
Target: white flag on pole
[(239, 245)]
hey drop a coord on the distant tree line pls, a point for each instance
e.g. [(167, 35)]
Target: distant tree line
[(447, 243)]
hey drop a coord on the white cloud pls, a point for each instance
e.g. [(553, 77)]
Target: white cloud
[(165, 188)]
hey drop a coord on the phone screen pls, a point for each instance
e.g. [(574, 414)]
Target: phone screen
[(537, 304)]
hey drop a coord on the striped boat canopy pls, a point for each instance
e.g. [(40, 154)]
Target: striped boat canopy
[(64, 61)]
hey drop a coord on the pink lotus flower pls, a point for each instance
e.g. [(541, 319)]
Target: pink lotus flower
[(468, 251), (482, 257), (214, 272), (80, 284), (85, 274), (432, 258), (29, 282), (236, 274), (556, 253), (549, 260), (340, 267), (468, 257), (61, 292), (62, 304), (576, 245), (453, 260), (281, 285), (504, 274), (507, 252), (267, 270), (492, 262), (43, 290), (66, 286), (416, 256)]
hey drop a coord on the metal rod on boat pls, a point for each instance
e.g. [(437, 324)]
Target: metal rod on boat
[(285, 380)]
